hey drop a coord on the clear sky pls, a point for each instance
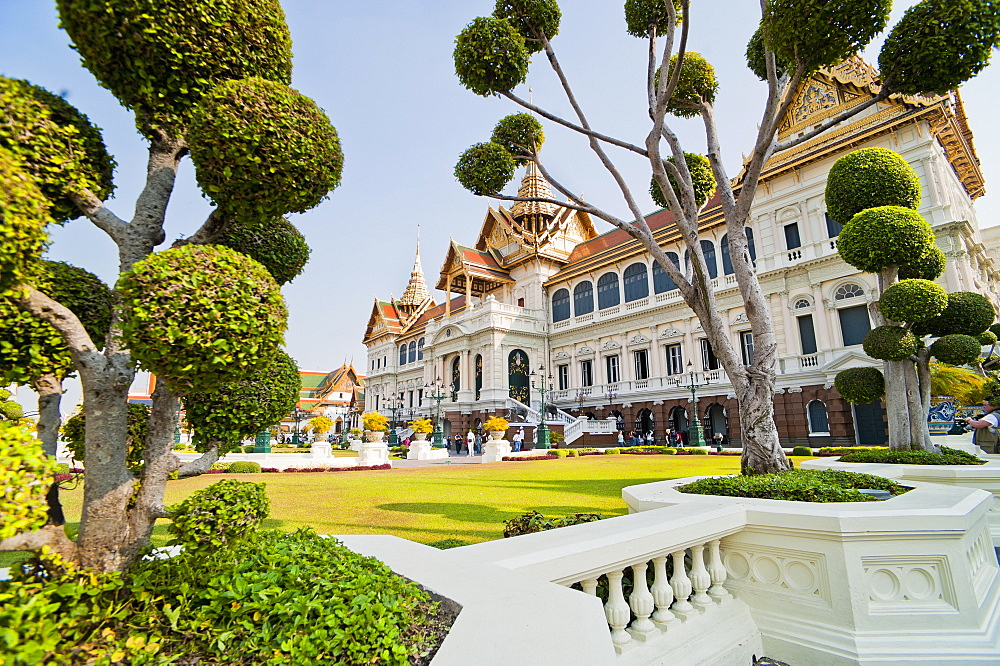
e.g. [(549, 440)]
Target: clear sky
[(383, 72)]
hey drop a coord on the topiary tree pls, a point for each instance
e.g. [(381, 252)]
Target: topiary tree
[(883, 235), (203, 315), (795, 39)]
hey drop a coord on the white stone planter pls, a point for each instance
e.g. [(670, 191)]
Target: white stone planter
[(374, 435), (911, 579), (494, 450), (421, 449), (321, 450)]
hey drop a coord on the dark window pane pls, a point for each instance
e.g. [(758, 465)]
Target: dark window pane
[(817, 417), (636, 283), (662, 282), (854, 324), (832, 228), (750, 245), (583, 298), (607, 291), (560, 305), (727, 260), (708, 249), (807, 334), (792, 236)]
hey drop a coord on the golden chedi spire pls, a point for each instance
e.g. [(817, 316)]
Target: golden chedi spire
[(532, 215), (416, 291)]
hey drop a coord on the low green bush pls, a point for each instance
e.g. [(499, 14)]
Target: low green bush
[(612, 452), (62, 468), (946, 457), (244, 467), (220, 465), (802, 451), (665, 450), (220, 515), (799, 485), (247, 449), (562, 453), (698, 452), (532, 521), (844, 450), (445, 544)]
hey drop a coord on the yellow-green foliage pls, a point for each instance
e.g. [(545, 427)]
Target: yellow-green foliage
[(641, 16), (218, 516), (422, 425), (869, 178), (24, 212), (520, 134), (967, 313), (913, 300), (860, 385), (55, 143), (696, 84), (878, 237), (956, 349), (262, 149), (159, 57), (963, 384), (375, 422), (496, 424), (320, 424), (891, 343), (25, 476), (200, 316), (274, 242)]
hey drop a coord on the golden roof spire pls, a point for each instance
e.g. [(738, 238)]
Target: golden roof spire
[(416, 291), (533, 185)]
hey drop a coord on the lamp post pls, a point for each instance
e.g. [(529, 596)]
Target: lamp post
[(610, 393), (437, 394), (298, 415), (544, 386), (581, 396), (696, 434), (395, 405)]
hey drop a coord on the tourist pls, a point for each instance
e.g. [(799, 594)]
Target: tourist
[(470, 438), (518, 438), (650, 439), (985, 430), (621, 438)]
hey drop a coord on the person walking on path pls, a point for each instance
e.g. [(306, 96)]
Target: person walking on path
[(470, 443)]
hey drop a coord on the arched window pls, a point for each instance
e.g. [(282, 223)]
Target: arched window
[(818, 421), (420, 349), (801, 303), (636, 282), (662, 282), (708, 249), (456, 378), (560, 305), (412, 356), (479, 375), (849, 290), (607, 291), (583, 298), (402, 354)]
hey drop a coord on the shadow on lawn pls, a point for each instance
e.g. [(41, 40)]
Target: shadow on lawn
[(477, 514), (596, 487)]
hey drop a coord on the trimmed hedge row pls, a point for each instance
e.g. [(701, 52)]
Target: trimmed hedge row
[(800, 485), (946, 457), (272, 470)]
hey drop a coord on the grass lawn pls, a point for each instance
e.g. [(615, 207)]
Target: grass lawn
[(428, 504)]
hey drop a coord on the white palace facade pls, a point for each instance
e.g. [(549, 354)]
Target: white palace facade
[(539, 286)]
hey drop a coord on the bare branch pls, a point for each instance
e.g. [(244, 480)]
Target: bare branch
[(59, 316), (202, 464), (565, 204), (99, 214), (53, 536), (146, 229), (576, 128), (213, 227)]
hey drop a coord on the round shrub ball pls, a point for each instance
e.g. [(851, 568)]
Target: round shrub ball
[(55, 144), (870, 178), (532, 19), (244, 467), (696, 84), (890, 343), (263, 149), (956, 349), (520, 134), (987, 338), (159, 58), (967, 313), (643, 15), (11, 411), (756, 60), (485, 168), (822, 33), (24, 212), (702, 179), (274, 242), (25, 476), (29, 347), (200, 316), (490, 56), (218, 516), (860, 386), (928, 267), (913, 300), (82, 292), (922, 56), (995, 329), (244, 407), (878, 237)]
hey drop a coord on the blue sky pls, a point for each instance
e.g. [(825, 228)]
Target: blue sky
[(384, 74)]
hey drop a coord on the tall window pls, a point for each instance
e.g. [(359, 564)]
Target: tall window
[(613, 368), (563, 373), (746, 346), (708, 360), (410, 394), (832, 228), (456, 378), (420, 349), (708, 249), (479, 375), (640, 358), (792, 240), (854, 324), (583, 298), (675, 360), (412, 355), (750, 246), (636, 282), (560, 305), (587, 373), (727, 258), (807, 335), (818, 421), (662, 282), (607, 291), (420, 397), (402, 354)]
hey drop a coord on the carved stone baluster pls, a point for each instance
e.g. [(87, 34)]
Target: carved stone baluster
[(700, 580), (641, 602), (589, 586), (663, 595), (718, 572), (681, 585), (617, 612)]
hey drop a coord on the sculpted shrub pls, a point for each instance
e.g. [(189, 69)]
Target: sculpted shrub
[(219, 516), (25, 476)]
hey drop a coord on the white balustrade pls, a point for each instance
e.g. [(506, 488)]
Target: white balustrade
[(794, 255), (583, 319), (809, 361), (635, 305), (561, 324)]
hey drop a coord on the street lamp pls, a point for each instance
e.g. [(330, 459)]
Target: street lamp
[(610, 393), (298, 415), (544, 386), (696, 434), (581, 396), (394, 405), (437, 394)]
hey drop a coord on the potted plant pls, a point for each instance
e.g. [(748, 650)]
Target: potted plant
[(421, 428), (496, 426), (376, 425)]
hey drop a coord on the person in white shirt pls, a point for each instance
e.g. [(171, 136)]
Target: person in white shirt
[(985, 439), (518, 438)]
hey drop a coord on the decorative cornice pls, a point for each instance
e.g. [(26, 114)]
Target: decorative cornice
[(638, 338), (560, 355), (740, 319), (610, 344), (670, 332)]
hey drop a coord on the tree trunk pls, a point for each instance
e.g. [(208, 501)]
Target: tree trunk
[(49, 389), (762, 452)]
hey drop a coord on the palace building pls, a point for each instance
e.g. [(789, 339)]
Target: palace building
[(540, 287)]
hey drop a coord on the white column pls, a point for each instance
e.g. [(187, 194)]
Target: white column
[(821, 320)]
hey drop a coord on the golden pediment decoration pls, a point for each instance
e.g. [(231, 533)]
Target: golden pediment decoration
[(815, 97)]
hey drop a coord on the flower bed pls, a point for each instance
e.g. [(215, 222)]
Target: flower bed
[(885, 456), (797, 485), (521, 458), (269, 470)]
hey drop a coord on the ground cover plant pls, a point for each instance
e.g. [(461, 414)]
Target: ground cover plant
[(947, 456), (801, 485)]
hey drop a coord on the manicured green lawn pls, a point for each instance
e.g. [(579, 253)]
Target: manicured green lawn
[(467, 502)]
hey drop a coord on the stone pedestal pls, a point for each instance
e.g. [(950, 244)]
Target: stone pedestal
[(355, 445), (320, 449), (421, 449), (373, 453), (494, 450)]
